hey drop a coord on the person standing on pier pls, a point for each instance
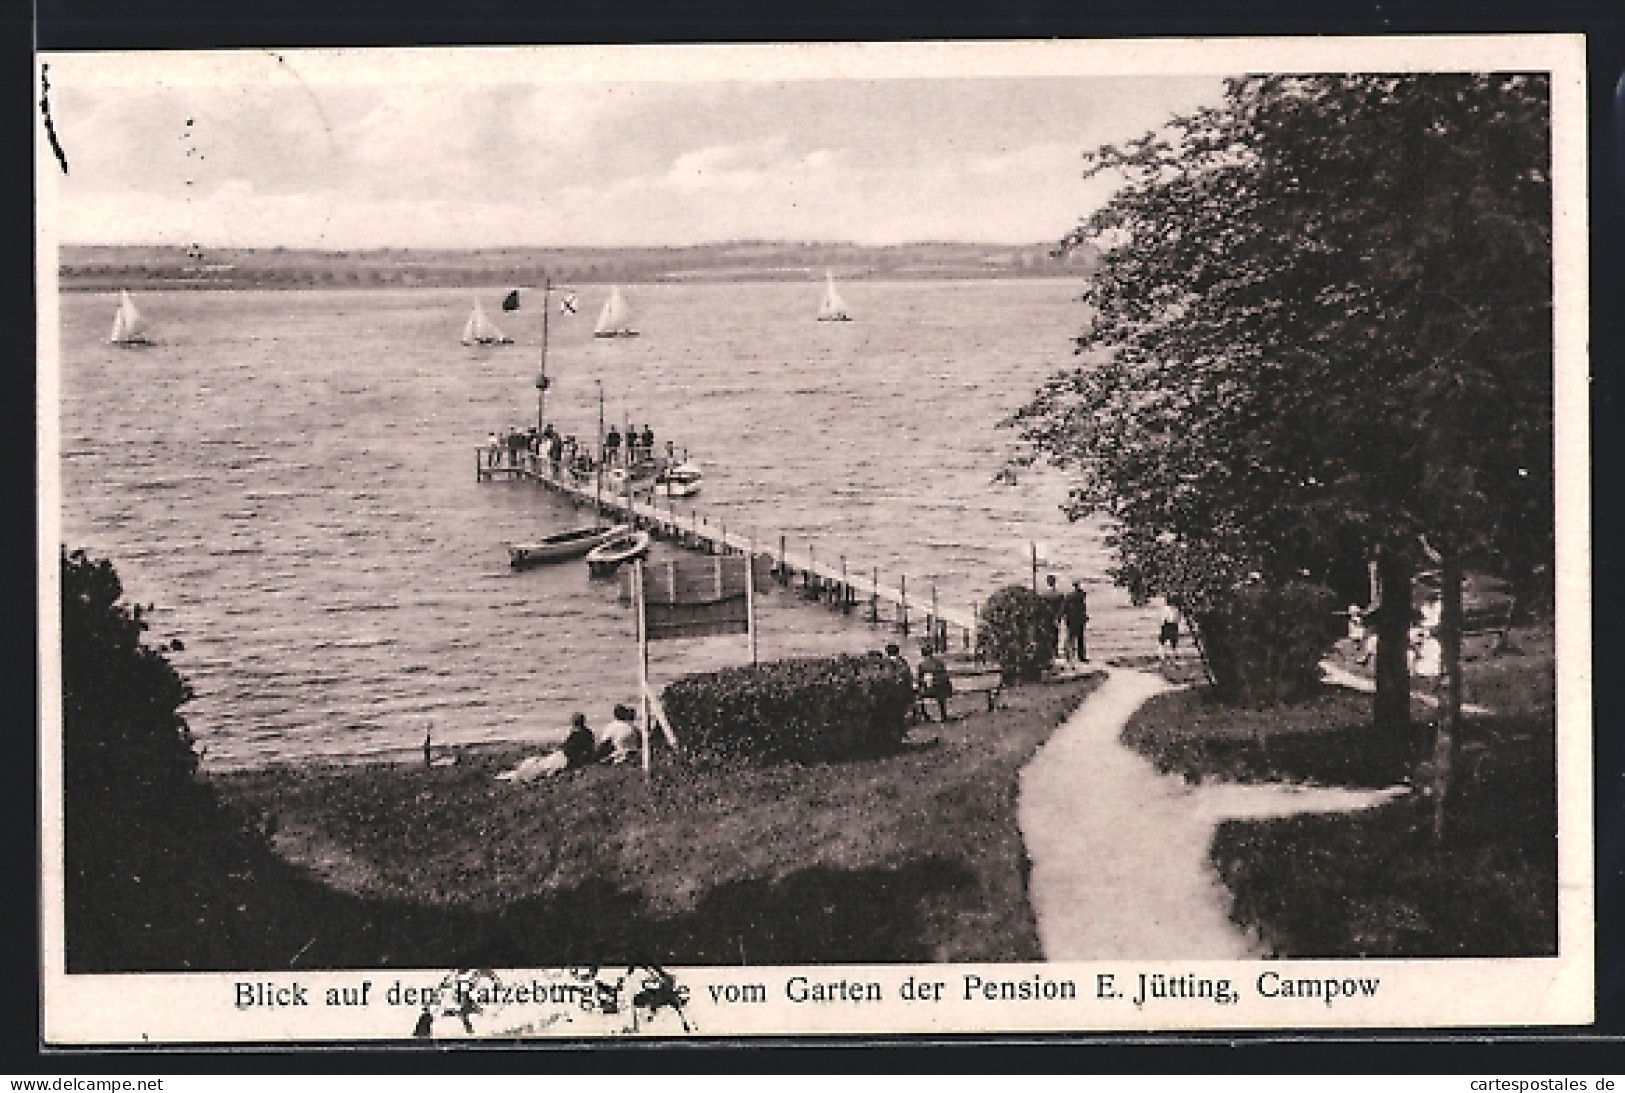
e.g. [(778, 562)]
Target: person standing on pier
[(1076, 609), (1054, 605), (612, 447), (934, 681), (648, 440)]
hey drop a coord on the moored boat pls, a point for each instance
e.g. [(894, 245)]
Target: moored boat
[(605, 557), (682, 480), (565, 544)]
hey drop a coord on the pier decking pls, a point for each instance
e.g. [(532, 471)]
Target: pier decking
[(841, 586)]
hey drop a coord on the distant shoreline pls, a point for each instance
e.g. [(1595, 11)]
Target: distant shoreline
[(113, 285), (106, 268)]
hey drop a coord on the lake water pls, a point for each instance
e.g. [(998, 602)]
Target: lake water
[(289, 479)]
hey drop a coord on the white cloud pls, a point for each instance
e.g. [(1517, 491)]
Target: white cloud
[(279, 161)]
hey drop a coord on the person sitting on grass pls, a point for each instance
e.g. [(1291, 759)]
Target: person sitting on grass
[(934, 682), (580, 748), (620, 742)]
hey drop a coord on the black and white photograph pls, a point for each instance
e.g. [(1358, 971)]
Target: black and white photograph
[(719, 541)]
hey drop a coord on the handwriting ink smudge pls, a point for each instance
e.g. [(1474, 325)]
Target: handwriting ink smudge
[(45, 113)]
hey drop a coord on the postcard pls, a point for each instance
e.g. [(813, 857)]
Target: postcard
[(1077, 537)]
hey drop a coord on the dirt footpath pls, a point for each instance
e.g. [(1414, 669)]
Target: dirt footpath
[(1120, 852)]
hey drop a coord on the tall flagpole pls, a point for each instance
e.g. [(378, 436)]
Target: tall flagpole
[(598, 496), (643, 660), (750, 598), (541, 376)]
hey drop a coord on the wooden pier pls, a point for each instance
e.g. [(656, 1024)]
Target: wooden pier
[(838, 584)]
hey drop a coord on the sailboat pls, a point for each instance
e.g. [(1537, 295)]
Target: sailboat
[(833, 308), (129, 328), (615, 321), (480, 330)]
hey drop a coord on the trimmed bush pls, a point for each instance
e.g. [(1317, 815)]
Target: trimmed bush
[(807, 709), (1264, 643), (1017, 631)]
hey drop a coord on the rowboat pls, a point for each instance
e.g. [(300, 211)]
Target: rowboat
[(603, 559), (683, 480), (565, 544)]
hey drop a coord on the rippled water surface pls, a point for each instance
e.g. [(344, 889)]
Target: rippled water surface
[(289, 478)]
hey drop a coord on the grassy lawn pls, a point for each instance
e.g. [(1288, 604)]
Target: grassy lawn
[(914, 856), (1326, 741), (1376, 882)]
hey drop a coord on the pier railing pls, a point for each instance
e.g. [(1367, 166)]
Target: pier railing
[(837, 583)]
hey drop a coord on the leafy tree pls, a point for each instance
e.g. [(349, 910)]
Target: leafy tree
[(1321, 330), (144, 836)]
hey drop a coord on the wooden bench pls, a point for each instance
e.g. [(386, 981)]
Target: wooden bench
[(1493, 619), (969, 678)]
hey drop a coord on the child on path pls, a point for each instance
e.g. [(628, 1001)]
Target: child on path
[(1168, 635)]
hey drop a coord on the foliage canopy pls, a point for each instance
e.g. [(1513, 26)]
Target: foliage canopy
[(1321, 324)]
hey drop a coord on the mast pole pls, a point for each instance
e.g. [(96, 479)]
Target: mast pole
[(541, 377), (598, 497)]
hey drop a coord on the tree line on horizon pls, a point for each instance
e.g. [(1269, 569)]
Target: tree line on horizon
[(98, 267)]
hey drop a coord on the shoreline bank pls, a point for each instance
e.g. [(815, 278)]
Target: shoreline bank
[(914, 856)]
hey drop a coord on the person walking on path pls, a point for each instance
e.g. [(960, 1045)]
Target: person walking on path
[(1076, 609), (1168, 635)]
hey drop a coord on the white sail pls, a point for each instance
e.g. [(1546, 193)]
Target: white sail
[(833, 308), (129, 328), (615, 321), (481, 330)]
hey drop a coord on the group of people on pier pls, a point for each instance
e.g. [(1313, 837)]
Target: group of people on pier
[(635, 448)]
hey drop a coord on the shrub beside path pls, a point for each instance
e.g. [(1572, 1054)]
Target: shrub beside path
[(1120, 852)]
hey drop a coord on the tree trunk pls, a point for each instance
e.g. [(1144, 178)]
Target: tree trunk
[(1391, 709), (1450, 701)]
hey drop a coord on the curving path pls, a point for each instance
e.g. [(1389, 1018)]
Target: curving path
[(1120, 852)]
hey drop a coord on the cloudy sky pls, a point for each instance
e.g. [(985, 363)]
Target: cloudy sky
[(508, 148)]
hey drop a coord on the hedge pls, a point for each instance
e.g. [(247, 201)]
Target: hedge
[(804, 709), (1017, 631)]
